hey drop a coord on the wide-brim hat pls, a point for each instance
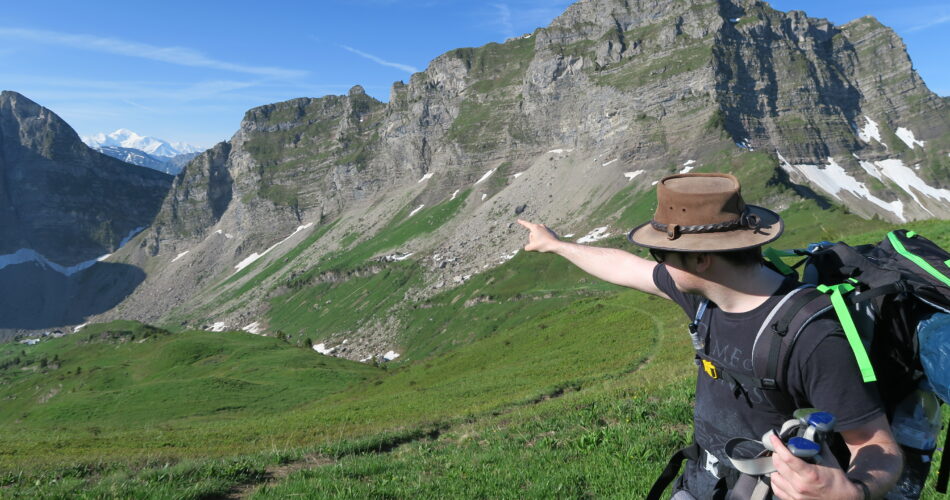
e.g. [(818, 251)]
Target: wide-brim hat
[(705, 213)]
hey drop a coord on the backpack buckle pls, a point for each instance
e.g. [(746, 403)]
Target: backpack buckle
[(781, 332)]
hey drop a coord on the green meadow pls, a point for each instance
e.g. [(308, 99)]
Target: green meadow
[(530, 380)]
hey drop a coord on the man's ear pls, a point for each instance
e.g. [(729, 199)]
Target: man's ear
[(703, 261)]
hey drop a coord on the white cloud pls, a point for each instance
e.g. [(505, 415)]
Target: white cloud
[(377, 60), (929, 24), (181, 56)]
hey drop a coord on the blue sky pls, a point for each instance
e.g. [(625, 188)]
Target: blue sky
[(187, 71)]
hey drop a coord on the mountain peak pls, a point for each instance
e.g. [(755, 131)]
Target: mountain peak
[(125, 138)]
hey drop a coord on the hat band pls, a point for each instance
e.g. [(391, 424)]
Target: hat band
[(745, 221)]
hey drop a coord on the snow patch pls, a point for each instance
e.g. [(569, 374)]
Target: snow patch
[(870, 131), (486, 176), (569, 235), (560, 151), (322, 349), (610, 162), (507, 257), (397, 257), (426, 177), (254, 328), (632, 175), (484, 195), (24, 255), (871, 169), (414, 212), (908, 137), (833, 179), (80, 327), (907, 179), (226, 235), (391, 355), (129, 236), (519, 174), (254, 256), (744, 144), (595, 235), (181, 255), (688, 166), (456, 193), (219, 326)]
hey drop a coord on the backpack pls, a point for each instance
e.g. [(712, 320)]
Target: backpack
[(893, 301), (888, 297)]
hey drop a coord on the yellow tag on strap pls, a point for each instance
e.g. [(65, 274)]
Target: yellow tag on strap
[(710, 369)]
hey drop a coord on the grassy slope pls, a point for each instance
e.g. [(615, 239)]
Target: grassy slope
[(318, 307), (108, 389)]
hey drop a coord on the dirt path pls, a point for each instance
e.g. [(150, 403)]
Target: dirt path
[(276, 473)]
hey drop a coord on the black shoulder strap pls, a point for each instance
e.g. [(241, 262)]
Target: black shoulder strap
[(776, 337), (672, 469), (944, 474)]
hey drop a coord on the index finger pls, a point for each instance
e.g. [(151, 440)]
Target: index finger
[(784, 461)]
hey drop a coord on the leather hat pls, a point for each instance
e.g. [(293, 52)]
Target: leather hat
[(705, 213)]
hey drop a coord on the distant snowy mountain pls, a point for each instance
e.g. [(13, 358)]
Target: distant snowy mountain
[(158, 154), (138, 157), (125, 138)]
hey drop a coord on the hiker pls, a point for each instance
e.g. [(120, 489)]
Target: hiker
[(706, 244)]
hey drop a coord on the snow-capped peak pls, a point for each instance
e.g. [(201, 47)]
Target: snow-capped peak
[(128, 139)]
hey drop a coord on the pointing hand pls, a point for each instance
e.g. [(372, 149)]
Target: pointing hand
[(540, 238)]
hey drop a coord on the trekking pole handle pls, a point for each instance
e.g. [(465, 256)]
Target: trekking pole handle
[(804, 448)]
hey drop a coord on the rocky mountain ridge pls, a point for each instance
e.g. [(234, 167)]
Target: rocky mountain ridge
[(63, 208), (568, 125)]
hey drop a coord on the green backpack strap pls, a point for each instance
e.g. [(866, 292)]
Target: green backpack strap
[(774, 257), (923, 264), (837, 293)]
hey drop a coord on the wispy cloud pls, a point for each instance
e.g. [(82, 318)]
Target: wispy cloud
[(504, 19), (930, 24), (514, 17), (404, 67), (181, 56)]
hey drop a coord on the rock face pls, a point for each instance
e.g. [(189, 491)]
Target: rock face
[(610, 97), (62, 206)]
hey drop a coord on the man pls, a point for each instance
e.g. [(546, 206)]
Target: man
[(706, 245)]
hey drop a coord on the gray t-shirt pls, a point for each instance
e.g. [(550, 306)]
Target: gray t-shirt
[(822, 373)]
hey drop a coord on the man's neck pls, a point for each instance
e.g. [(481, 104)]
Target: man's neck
[(742, 289)]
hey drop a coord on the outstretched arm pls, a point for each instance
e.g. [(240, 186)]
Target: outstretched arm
[(609, 264)]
